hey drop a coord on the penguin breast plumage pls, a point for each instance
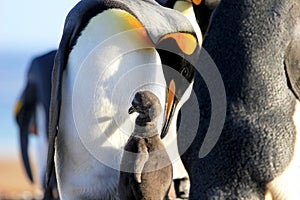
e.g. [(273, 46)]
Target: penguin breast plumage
[(102, 73)]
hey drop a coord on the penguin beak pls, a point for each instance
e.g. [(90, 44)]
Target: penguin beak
[(131, 110), (171, 104)]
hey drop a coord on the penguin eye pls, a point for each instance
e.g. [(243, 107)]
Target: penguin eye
[(185, 72)]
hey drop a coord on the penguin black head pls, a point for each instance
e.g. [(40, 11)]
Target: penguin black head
[(179, 72), (147, 105)]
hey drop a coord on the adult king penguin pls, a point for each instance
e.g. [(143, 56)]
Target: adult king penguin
[(256, 47), (110, 50), (32, 113)]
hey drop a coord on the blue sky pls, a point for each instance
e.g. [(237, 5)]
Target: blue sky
[(27, 29)]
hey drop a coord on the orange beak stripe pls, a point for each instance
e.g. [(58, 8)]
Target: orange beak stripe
[(197, 2), (171, 95)]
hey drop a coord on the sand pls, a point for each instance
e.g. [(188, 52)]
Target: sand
[(14, 183)]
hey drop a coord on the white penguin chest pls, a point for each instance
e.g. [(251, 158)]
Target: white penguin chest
[(104, 71)]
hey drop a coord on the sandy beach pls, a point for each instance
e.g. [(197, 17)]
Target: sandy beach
[(14, 183)]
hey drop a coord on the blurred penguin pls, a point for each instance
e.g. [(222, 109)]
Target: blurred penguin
[(32, 114)]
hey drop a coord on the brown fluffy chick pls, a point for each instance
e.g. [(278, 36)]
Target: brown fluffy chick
[(146, 169)]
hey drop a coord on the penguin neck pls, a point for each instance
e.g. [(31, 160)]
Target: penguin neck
[(145, 127), (186, 8)]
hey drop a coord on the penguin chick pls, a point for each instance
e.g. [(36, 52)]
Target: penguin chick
[(146, 169)]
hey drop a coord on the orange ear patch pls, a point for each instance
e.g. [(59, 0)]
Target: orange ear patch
[(197, 2), (185, 41), (131, 22), (18, 107)]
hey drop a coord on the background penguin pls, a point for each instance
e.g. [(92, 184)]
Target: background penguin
[(146, 169), (102, 42), (32, 111), (202, 9), (255, 45), (204, 12)]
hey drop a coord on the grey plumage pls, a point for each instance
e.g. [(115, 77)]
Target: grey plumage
[(249, 40), (146, 169)]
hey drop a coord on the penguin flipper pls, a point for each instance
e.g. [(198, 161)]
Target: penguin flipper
[(141, 159), (53, 118), (24, 112), (24, 150), (292, 64)]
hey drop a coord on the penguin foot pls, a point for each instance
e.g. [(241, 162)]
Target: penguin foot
[(182, 188)]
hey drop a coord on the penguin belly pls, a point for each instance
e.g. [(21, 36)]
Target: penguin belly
[(108, 64)]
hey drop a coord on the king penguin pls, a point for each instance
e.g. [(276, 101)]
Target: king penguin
[(199, 12), (108, 51), (32, 113), (255, 45)]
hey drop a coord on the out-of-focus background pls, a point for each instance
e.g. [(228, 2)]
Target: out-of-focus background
[(27, 29)]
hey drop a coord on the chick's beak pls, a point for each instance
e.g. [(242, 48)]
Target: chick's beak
[(131, 110)]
